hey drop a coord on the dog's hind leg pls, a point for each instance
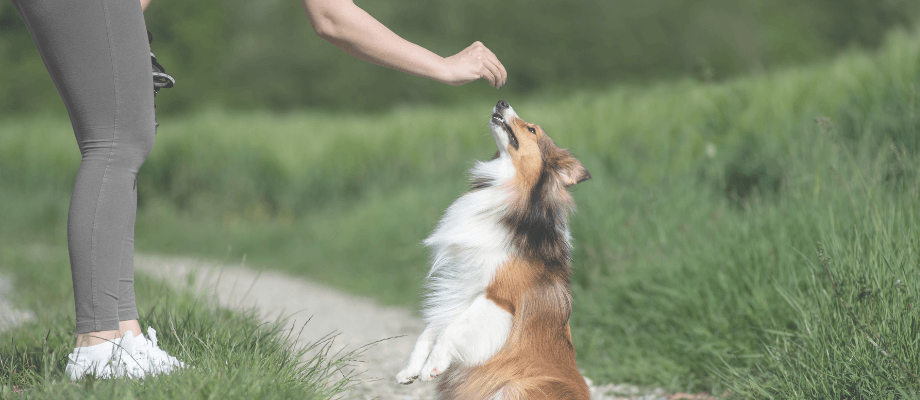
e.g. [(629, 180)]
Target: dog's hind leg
[(472, 337), (419, 354)]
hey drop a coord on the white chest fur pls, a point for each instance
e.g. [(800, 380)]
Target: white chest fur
[(468, 246)]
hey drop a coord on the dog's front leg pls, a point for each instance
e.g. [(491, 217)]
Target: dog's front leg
[(472, 338), (419, 354)]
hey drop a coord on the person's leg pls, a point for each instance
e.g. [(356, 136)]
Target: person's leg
[(127, 309), (98, 56)]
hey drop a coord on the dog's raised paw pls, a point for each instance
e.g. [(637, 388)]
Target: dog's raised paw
[(430, 375), (405, 377), (433, 369)]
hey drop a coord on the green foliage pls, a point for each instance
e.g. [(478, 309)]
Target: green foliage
[(696, 259), (264, 55), (233, 355), (25, 85)]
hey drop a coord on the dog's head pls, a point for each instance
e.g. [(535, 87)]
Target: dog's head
[(534, 155), (537, 173)]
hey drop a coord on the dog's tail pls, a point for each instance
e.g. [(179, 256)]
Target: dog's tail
[(536, 362)]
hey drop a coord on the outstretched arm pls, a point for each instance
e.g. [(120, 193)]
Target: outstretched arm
[(350, 28)]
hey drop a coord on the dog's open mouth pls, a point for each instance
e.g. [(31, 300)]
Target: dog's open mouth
[(498, 119)]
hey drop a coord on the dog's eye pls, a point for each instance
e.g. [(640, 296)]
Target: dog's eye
[(533, 131)]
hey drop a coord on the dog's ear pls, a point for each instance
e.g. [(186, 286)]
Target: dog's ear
[(572, 172)]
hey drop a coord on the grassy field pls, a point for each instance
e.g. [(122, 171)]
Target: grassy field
[(234, 355), (759, 237)]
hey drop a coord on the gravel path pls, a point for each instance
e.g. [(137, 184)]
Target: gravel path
[(358, 321)]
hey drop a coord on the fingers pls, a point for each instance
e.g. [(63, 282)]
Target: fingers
[(492, 69), (475, 62), (504, 73), (497, 69), (492, 74), (495, 72)]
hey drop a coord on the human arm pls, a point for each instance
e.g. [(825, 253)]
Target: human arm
[(350, 28), (144, 4)]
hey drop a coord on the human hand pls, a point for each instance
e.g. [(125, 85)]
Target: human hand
[(475, 62)]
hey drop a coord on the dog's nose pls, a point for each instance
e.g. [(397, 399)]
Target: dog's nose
[(502, 104)]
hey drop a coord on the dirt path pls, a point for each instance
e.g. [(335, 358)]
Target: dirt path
[(358, 321)]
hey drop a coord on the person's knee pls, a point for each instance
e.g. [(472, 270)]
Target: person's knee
[(137, 149)]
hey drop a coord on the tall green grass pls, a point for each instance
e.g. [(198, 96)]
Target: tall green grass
[(696, 262)]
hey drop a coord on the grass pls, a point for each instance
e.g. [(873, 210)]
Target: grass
[(696, 256), (233, 354)]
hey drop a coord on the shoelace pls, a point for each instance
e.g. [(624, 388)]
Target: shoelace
[(154, 354), (126, 361)]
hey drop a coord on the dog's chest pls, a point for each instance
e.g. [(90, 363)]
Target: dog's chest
[(476, 252), (470, 244)]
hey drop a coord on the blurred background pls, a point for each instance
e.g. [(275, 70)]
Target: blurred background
[(725, 139), (245, 55)]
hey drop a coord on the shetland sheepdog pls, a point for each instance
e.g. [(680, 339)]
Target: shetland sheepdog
[(498, 302)]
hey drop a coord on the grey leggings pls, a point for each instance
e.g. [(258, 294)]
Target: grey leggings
[(98, 56)]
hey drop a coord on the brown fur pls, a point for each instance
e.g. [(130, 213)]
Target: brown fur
[(538, 359)]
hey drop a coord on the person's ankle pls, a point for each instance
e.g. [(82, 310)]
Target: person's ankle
[(94, 338), (129, 325)]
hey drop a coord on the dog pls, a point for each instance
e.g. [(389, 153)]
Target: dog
[(498, 300)]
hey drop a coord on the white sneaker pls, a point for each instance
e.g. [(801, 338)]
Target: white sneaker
[(126, 362), (91, 360), (111, 359), (156, 360)]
